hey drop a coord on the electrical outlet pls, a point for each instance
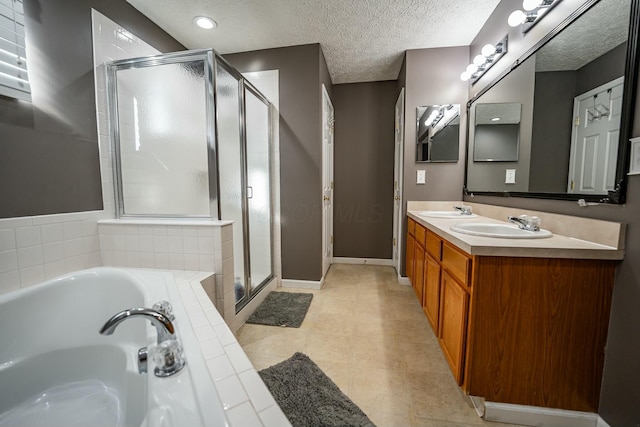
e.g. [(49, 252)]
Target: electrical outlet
[(421, 177), (510, 176)]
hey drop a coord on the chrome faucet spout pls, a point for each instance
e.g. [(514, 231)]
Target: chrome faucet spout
[(163, 325), (464, 210), (525, 222)]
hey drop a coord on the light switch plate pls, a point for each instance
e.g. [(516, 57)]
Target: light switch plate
[(421, 177), (510, 176)]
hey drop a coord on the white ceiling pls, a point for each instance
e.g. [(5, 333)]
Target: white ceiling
[(363, 40)]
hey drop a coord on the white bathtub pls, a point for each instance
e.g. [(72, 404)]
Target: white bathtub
[(56, 369)]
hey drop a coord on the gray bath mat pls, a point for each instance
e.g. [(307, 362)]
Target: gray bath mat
[(308, 397), (282, 309)]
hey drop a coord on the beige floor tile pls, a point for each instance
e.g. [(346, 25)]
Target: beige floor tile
[(381, 419), (323, 347), (436, 395), (376, 353), (369, 334), (378, 390)]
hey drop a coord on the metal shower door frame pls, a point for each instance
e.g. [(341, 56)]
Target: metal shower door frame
[(112, 68)]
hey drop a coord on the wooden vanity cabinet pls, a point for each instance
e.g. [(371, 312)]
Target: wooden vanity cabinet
[(410, 254), (526, 331)]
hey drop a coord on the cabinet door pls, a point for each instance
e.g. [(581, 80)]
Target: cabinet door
[(409, 261), (418, 271), (432, 291), (454, 302)]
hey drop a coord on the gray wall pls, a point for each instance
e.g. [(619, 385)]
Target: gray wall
[(300, 71), (620, 393), (601, 70), (490, 176), (364, 150), (49, 160), (431, 76), (552, 125)]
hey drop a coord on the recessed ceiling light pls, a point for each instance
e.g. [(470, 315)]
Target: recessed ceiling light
[(496, 119), (205, 22)]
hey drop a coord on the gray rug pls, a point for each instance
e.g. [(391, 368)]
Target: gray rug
[(308, 397), (282, 309)]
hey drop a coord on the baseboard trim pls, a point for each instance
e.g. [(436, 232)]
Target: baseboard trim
[(537, 416), (601, 422), (303, 284), (403, 280), (360, 261)]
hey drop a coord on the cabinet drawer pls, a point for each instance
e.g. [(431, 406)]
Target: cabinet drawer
[(434, 246), (411, 226), (420, 234), (457, 263)]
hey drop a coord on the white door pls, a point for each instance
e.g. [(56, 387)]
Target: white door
[(397, 181), (327, 180), (594, 142)]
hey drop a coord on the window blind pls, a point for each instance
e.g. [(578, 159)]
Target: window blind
[(14, 79)]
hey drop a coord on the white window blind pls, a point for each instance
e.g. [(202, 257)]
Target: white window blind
[(14, 80)]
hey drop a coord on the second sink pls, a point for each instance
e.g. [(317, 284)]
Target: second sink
[(503, 231)]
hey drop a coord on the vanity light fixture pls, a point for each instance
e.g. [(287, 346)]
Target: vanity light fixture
[(205, 22), (534, 10), (488, 56)]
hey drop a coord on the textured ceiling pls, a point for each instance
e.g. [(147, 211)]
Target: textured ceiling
[(363, 40), (599, 30)]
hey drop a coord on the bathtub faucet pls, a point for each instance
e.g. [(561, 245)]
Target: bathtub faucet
[(167, 354)]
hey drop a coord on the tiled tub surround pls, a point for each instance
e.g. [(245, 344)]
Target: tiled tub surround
[(574, 237), (181, 245), (246, 400), (37, 248)]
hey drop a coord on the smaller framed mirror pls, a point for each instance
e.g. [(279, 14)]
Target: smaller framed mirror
[(497, 132), (438, 133)]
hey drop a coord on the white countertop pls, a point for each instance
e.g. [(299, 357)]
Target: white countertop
[(557, 246)]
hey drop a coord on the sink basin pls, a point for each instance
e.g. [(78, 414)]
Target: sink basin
[(503, 231), (445, 214)]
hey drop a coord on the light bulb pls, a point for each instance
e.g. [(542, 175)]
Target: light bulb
[(478, 60), (465, 76), (516, 18), (205, 22), (488, 50), (530, 5), (472, 68)]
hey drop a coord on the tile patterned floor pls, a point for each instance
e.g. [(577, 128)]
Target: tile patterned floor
[(369, 335)]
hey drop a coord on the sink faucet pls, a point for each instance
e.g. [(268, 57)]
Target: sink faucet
[(167, 353), (529, 223), (464, 210)]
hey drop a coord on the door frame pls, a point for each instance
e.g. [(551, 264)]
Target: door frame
[(398, 169), (327, 182)]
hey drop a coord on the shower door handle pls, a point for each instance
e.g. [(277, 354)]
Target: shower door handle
[(249, 192)]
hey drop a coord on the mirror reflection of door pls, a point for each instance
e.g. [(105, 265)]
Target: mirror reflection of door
[(594, 140)]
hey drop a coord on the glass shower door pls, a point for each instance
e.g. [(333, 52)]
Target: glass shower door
[(258, 187)]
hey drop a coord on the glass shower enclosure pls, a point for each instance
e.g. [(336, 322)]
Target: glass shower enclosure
[(191, 140)]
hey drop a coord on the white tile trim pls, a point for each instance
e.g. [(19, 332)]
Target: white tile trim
[(601, 422), (537, 416), (360, 261), (403, 280), (302, 284)]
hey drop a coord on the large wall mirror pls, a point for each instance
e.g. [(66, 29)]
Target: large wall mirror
[(438, 133), (572, 97)]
